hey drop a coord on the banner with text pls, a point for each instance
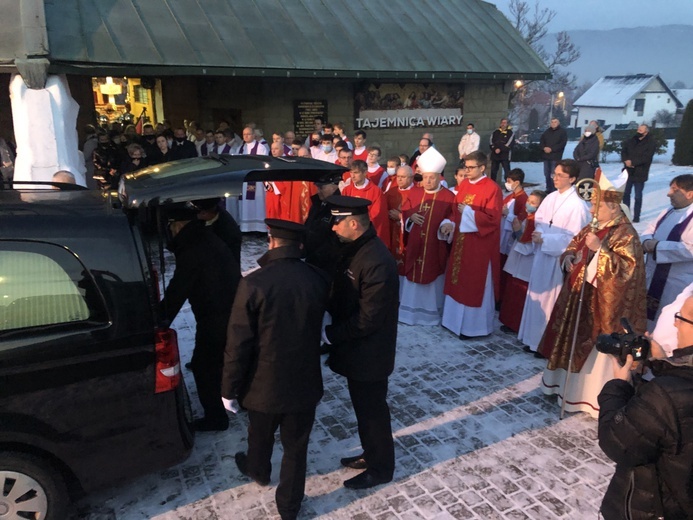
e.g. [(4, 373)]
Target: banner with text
[(409, 105)]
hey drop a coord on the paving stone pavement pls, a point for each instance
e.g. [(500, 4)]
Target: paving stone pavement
[(475, 438)]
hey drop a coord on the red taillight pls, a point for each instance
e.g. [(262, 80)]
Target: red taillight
[(167, 360)]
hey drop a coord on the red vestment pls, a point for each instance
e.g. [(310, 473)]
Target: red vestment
[(273, 204), (378, 176), (295, 199), (377, 211), (361, 156), (426, 255), (396, 199), (472, 252)]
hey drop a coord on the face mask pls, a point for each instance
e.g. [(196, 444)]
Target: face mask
[(588, 133), (530, 208), (640, 136), (391, 171), (314, 142), (509, 186), (327, 148), (470, 131)]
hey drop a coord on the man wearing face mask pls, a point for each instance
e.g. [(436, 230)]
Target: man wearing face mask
[(586, 153), (182, 147), (469, 142), (327, 152), (636, 154)]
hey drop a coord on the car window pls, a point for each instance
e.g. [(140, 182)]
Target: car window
[(44, 284)]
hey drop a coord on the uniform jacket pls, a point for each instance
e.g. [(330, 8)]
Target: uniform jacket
[(227, 229), (503, 141), (322, 245), (556, 139), (206, 275), (640, 153), (364, 305), (272, 358), (648, 432)]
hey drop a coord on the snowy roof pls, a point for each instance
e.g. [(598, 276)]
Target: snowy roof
[(616, 91), (684, 95)]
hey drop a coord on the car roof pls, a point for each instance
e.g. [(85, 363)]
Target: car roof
[(54, 202), (216, 176)]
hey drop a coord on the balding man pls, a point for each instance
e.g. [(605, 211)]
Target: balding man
[(396, 197)]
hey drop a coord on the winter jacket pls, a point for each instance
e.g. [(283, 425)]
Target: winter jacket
[(364, 305), (503, 141), (586, 153), (640, 153), (648, 432), (556, 139)]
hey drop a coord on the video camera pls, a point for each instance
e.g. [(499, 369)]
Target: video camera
[(620, 345)]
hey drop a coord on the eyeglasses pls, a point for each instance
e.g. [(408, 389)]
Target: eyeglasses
[(559, 176), (468, 168), (678, 316)]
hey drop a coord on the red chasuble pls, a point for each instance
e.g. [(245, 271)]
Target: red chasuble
[(426, 255), (273, 204), (471, 252), (396, 199), (295, 199), (377, 176), (377, 211)]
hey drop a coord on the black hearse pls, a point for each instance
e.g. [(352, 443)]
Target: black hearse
[(91, 389)]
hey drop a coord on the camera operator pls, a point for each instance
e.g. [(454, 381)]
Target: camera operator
[(648, 432)]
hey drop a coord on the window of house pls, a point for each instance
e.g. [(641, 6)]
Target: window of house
[(44, 284), (639, 106), (141, 94)]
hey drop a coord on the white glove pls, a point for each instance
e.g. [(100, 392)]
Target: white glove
[(326, 320), (230, 404)]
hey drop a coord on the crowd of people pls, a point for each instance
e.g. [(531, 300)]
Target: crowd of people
[(392, 242)]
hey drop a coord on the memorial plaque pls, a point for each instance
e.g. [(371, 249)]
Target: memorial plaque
[(305, 111)]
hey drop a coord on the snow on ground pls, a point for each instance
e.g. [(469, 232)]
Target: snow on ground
[(475, 437)]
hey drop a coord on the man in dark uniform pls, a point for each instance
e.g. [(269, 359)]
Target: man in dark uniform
[(322, 245), (206, 275), (272, 360), (501, 144), (221, 223), (364, 305)]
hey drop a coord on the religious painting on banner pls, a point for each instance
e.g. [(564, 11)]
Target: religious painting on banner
[(410, 105)]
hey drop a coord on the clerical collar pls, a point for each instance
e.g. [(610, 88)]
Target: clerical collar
[(363, 186), (475, 181), (440, 187), (212, 220)]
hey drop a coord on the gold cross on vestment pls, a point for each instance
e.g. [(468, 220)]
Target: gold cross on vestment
[(425, 207)]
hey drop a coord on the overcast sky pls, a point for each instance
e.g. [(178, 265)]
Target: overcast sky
[(611, 14)]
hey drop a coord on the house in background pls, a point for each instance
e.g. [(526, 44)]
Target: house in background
[(621, 100)]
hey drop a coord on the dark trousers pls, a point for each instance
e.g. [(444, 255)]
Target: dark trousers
[(375, 430), (495, 166), (639, 186), (549, 167), (207, 367), (294, 432)]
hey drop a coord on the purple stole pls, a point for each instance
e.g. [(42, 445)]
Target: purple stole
[(250, 189), (661, 273), (203, 150), (225, 149)]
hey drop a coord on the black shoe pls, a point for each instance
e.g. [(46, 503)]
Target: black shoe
[(507, 330), (207, 424), (188, 365), (357, 462), (365, 480), (527, 349), (242, 464), (539, 355)]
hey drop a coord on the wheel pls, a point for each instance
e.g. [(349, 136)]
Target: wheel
[(30, 488)]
